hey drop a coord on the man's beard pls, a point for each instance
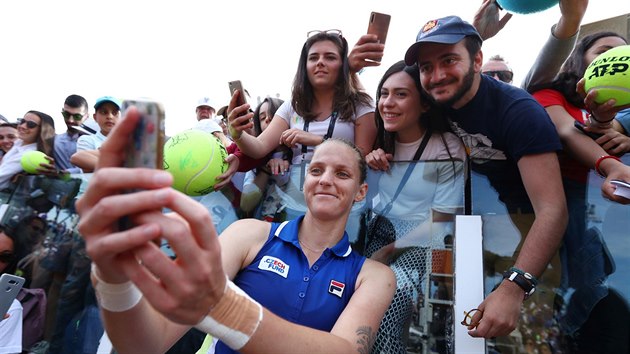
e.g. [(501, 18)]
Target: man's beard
[(467, 83)]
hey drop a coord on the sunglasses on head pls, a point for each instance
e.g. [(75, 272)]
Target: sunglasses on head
[(29, 123), (503, 75), (8, 136), (6, 257), (312, 33), (74, 116)]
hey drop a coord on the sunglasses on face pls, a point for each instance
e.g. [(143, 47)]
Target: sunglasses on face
[(335, 32), (6, 257), (29, 123), (503, 75), (8, 136), (73, 116)]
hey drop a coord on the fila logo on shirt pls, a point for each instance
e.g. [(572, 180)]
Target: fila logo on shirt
[(274, 265), (336, 287)]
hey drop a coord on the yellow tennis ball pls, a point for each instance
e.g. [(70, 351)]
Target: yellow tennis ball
[(609, 74), (31, 159), (195, 159)]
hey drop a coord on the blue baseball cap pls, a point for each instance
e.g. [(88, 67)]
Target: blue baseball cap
[(445, 30), (101, 100)]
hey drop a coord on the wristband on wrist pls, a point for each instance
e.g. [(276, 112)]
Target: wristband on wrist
[(598, 123), (234, 319), (524, 280), (115, 297), (599, 162)]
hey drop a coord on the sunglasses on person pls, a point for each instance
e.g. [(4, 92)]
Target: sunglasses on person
[(6, 257), (29, 123), (73, 116), (8, 136), (503, 75), (334, 32)]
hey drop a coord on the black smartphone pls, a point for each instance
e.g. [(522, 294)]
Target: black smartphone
[(580, 127)]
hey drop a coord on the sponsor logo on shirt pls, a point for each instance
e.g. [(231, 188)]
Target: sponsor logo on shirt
[(275, 265), (336, 287)]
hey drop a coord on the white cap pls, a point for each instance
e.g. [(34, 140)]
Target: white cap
[(205, 101)]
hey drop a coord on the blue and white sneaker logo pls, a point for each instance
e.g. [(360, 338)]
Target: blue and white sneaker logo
[(275, 265)]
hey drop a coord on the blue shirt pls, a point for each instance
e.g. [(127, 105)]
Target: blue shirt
[(65, 147), (281, 280)]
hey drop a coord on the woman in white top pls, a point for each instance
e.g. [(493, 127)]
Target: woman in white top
[(413, 200), (36, 131), (324, 104)]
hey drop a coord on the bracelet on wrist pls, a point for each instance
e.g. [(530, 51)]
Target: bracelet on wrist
[(599, 162), (598, 123), (524, 280)]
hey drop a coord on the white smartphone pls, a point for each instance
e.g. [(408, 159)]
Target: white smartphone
[(622, 188), (10, 286)]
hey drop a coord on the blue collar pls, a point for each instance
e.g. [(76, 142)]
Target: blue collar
[(288, 232)]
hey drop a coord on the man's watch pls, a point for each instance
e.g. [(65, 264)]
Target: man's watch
[(524, 280)]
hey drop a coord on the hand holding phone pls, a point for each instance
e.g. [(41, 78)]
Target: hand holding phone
[(580, 126), (379, 25), (237, 85), (10, 286)]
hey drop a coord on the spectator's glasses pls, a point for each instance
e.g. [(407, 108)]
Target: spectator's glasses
[(468, 318), (503, 75), (29, 123), (6, 257), (8, 136), (334, 32), (75, 116)]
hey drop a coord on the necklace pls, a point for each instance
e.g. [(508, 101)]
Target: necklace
[(309, 248)]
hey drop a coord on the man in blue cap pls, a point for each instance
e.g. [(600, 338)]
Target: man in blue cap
[(504, 127)]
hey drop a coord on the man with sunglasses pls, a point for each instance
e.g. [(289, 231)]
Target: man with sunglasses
[(74, 112), (497, 68)]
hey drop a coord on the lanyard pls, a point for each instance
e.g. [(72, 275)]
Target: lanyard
[(329, 133), (403, 181)]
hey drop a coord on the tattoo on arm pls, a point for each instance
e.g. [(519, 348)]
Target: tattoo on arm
[(366, 339)]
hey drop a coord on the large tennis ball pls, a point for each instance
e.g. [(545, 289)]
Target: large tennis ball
[(195, 159), (31, 159), (609, 74), (526, 6)]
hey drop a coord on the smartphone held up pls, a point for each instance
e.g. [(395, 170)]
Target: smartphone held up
[(379, 25)]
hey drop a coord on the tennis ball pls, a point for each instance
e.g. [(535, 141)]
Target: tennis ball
[(609, 74), (526, 6), (195, 159), (31, 159)]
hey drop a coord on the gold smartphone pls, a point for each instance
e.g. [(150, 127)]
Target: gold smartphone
[(379, 25)]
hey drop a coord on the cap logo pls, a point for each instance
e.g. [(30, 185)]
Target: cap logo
[(429, 25)]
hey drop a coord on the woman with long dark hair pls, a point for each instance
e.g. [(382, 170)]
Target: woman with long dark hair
[(36, 131)]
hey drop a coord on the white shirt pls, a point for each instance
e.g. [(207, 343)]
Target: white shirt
[(11, 330), (90, 142), (11, 165)]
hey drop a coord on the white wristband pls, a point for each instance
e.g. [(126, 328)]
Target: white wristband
[(115, 297), (234, 319)]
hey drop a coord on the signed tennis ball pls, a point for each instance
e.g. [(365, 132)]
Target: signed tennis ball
[(195, 159), (526, 6), (609, 74), (31, 159)]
